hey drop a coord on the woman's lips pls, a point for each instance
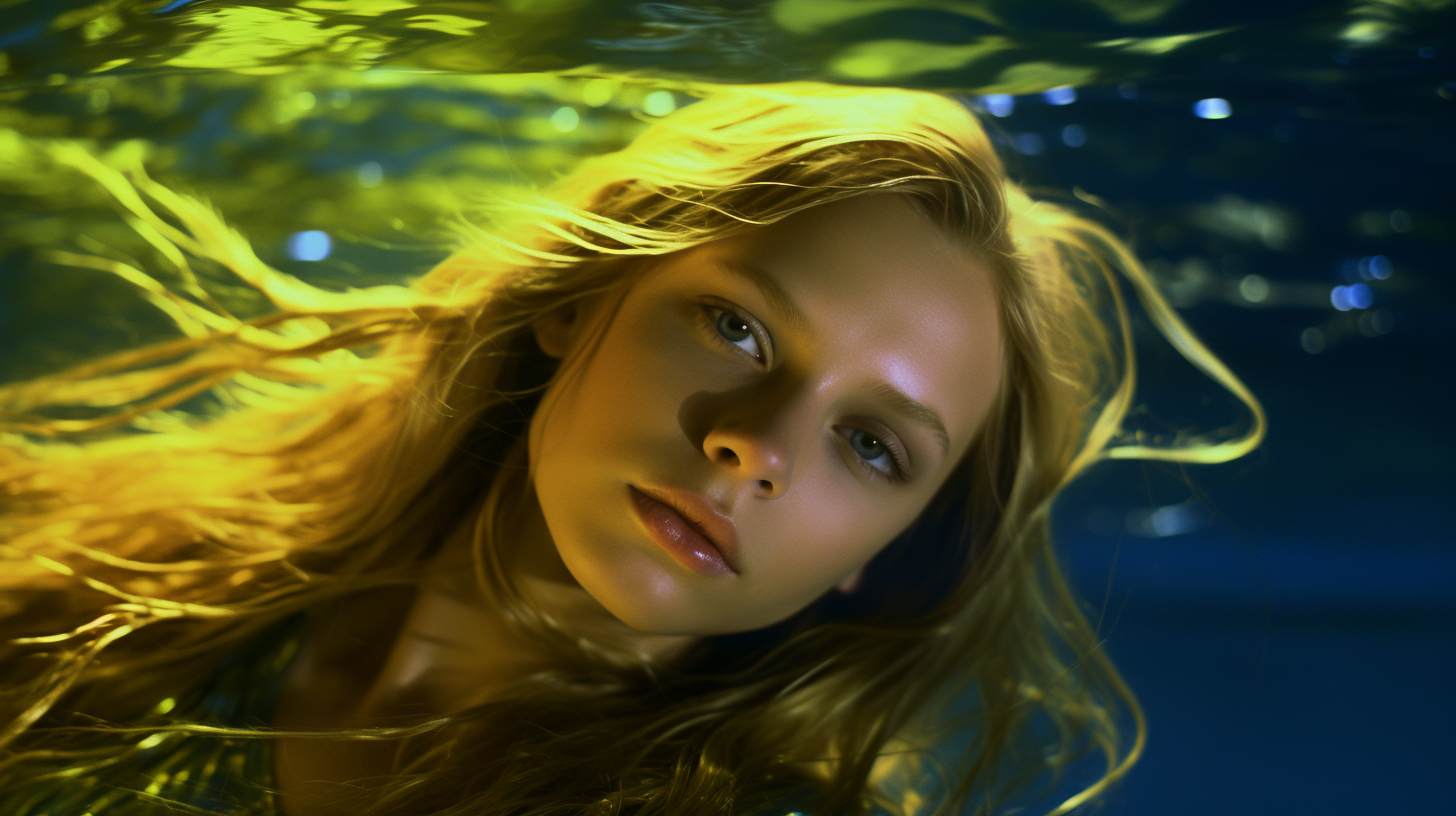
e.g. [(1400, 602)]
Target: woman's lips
[(694, 533)]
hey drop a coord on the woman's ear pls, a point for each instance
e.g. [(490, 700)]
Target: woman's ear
[(851, 582), (556, 329)]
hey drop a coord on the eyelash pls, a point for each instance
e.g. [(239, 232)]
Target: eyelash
[(709, 316), (892, 449)]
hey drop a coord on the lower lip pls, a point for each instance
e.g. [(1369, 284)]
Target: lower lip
[(682, 541)]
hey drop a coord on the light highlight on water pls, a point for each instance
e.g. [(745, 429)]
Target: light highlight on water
[(1212, 108), (999, 104), (309, 245), (1064, 95)]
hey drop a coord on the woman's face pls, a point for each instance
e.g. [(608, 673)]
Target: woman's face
[(758, 416)]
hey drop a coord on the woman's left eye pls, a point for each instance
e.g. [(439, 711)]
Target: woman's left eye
[(734, 329), (875, 454)]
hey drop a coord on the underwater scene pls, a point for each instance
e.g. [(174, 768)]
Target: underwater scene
[(1284, 168)]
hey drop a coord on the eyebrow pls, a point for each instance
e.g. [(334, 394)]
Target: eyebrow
[(915, 411), (894, 398), (777, 298)]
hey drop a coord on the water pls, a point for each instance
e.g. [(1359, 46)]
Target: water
[(1285, 167)]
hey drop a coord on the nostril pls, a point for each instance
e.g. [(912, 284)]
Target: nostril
[(765, 484)]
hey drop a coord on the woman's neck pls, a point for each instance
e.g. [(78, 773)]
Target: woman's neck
[(394, 656), (456, 649)]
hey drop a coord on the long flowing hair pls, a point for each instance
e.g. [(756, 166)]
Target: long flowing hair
[(328, 446)]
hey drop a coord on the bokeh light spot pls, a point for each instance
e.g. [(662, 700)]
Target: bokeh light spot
[(1354, 296), (1074, 136), (1375, 323), (1168, 520), (999, 104), (565, 119), (309, 245), (659, 103), (598, 92), (1029, 144), (1359, 295), (1212, 108), (370, 174), (1254, 288), (1065, 95)]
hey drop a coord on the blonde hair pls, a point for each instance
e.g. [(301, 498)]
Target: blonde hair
[(353, 430)]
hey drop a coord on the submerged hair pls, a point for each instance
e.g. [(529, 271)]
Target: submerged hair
[(350, 432)]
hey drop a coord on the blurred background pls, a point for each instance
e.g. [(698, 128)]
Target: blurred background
[(1285, 168)]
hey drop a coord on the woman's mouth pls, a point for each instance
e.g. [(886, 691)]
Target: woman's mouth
[(684, 539)]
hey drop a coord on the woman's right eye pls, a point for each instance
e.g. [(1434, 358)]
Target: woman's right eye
[(735, 330)]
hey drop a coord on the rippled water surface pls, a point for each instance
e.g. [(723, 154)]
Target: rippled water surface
[(1284, 167)]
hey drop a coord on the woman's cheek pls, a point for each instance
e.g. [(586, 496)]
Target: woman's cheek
[(815, 535), (649, 350)]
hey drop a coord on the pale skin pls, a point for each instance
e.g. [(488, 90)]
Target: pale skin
[(815, 380)]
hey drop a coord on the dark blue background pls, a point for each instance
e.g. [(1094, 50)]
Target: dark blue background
[(1296, 652)]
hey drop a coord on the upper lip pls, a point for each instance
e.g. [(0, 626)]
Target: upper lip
[(714, 524)]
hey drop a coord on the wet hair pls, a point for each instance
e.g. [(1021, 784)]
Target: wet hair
[(360, 428)]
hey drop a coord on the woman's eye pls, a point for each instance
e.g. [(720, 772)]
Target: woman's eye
[(875, 453), (737, 331)]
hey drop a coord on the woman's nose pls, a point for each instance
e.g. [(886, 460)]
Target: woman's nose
[(751, 456)]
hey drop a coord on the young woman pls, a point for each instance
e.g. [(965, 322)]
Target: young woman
[(714, 480)]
